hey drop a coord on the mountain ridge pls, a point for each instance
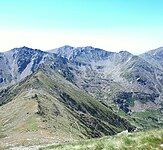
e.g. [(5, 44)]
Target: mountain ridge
[(77, 93), (123, 70), (52, 109)]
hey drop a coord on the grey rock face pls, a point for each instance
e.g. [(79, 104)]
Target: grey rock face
[(104, 74), (101, 73)]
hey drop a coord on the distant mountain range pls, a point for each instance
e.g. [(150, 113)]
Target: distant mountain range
[(72, 93)]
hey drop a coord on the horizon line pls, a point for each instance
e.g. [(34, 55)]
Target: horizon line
[(74, 47)]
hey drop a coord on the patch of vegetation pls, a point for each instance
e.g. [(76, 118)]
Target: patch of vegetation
[(148, 140), (32, 124), (2, 135), (130, 101), (147, 119)]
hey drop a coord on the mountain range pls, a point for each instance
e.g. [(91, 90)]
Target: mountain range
[(72, 93)]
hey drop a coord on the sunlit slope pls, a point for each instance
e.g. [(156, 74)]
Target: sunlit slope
[(47, 108), (148, 140)]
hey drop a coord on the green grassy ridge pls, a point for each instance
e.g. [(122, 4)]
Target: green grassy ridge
[(58, 118), (81, 101), (143, 120), (147, 140), (92, 116), (61, 110)]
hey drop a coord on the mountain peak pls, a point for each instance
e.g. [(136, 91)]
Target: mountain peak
[(125, 53), (22, 48), (154, 51), (67, 46), (88, 47)]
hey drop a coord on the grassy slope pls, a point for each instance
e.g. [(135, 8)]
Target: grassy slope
[(20, 123), (145, 120), (148, 140), (148, 119), (43, 109)]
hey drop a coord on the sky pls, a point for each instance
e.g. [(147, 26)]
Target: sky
[(113, 25)]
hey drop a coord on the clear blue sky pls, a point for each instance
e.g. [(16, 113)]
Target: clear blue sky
[(134, 25)]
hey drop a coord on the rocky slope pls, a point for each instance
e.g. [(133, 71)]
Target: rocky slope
[(155, 57), (121, 80), (127, 80), (18, 63)]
